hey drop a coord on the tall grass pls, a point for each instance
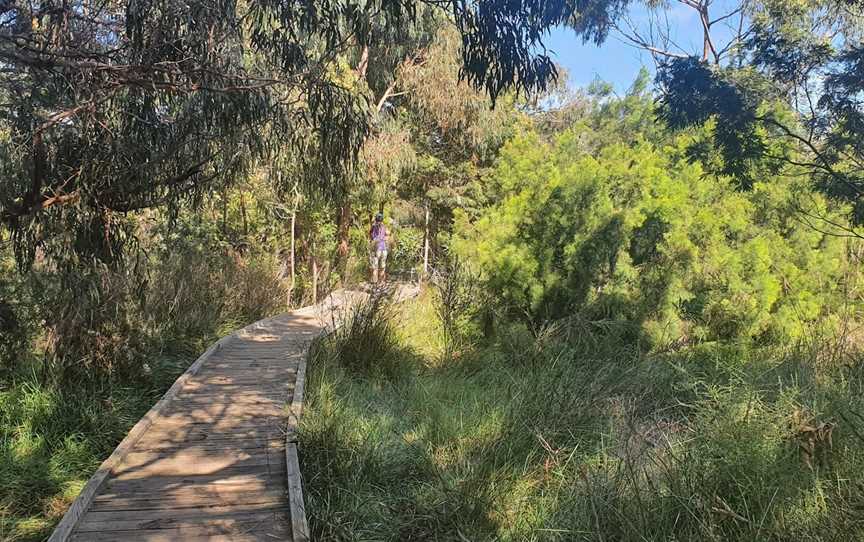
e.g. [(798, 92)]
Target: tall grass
[(52, 439), (566, 438), (365, 343)]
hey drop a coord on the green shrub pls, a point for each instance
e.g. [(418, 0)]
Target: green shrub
[(638, 233)]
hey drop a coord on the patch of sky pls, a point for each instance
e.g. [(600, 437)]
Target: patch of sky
[(618, 61)]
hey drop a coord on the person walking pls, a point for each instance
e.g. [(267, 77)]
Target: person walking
[(379, 237)]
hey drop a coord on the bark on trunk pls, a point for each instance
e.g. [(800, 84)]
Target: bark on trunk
[(342, 241), (243, 214), (426, 242), (224, 211), (314, 260), (364, 62), (291, 257)]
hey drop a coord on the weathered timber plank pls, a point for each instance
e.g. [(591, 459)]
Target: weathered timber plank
[(124, 520), (223, 412), (266, 533), (253, 479), (222, 400), (219, 389), (202, 468), (237, 380), (212, 440), (202, 433), (190, 424), (190, 461), (189, 497), (221, 519)]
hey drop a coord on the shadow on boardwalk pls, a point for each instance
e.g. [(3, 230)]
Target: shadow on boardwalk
[(211, 465)]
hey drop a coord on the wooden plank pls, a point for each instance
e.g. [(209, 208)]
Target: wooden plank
[(193, 431), (194, 388), (255, 363), (82, 502), (124, 520), (242, 398), (175, 425), (269, 533), (189, 497), (203, 484), (188, 437), (225, 403), (222, 518), (253, 479), (190, 461), (227, 444), (222, 412), (237, 380), (215, 465)]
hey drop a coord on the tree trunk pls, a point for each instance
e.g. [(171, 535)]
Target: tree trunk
[(243, 213), (364, 63), (426, 242), (224, 211), (314, 260), (291, 256), (342, 241)]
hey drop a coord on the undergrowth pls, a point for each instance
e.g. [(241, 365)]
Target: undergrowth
[(52, 440), (566, 438)]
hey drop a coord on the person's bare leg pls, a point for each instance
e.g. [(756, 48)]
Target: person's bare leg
[(375, 275)]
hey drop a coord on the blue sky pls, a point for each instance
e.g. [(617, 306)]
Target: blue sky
[(617, 62)]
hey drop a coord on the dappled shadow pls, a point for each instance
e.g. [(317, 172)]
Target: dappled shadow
[(213, 460)]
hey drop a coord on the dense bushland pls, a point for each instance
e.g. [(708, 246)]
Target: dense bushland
[(629, 229), (632, 333)]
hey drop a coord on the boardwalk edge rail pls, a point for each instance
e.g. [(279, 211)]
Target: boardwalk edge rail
[(294, 480), (296, 507)]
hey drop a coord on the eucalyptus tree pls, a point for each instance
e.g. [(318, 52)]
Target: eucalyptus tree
[(112, 106), (778, 82)]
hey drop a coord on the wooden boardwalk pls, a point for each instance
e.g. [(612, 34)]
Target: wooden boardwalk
[(208, 462)]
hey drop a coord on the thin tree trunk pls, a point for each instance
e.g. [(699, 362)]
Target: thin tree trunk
[(426, 242), (314, 258), (342, 240), (291, 263), (364, 62), (224, 211), (243, 213)]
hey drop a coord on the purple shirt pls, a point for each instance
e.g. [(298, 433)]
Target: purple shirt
[(379, 236)]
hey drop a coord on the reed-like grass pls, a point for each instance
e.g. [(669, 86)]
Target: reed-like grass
[(574, 439)]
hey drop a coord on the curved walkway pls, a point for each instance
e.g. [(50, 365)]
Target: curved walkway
[(208, 461)]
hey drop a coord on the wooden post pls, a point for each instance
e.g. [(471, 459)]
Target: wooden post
[(426, 241), (314, 259), (291, 260), (343, 247)]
